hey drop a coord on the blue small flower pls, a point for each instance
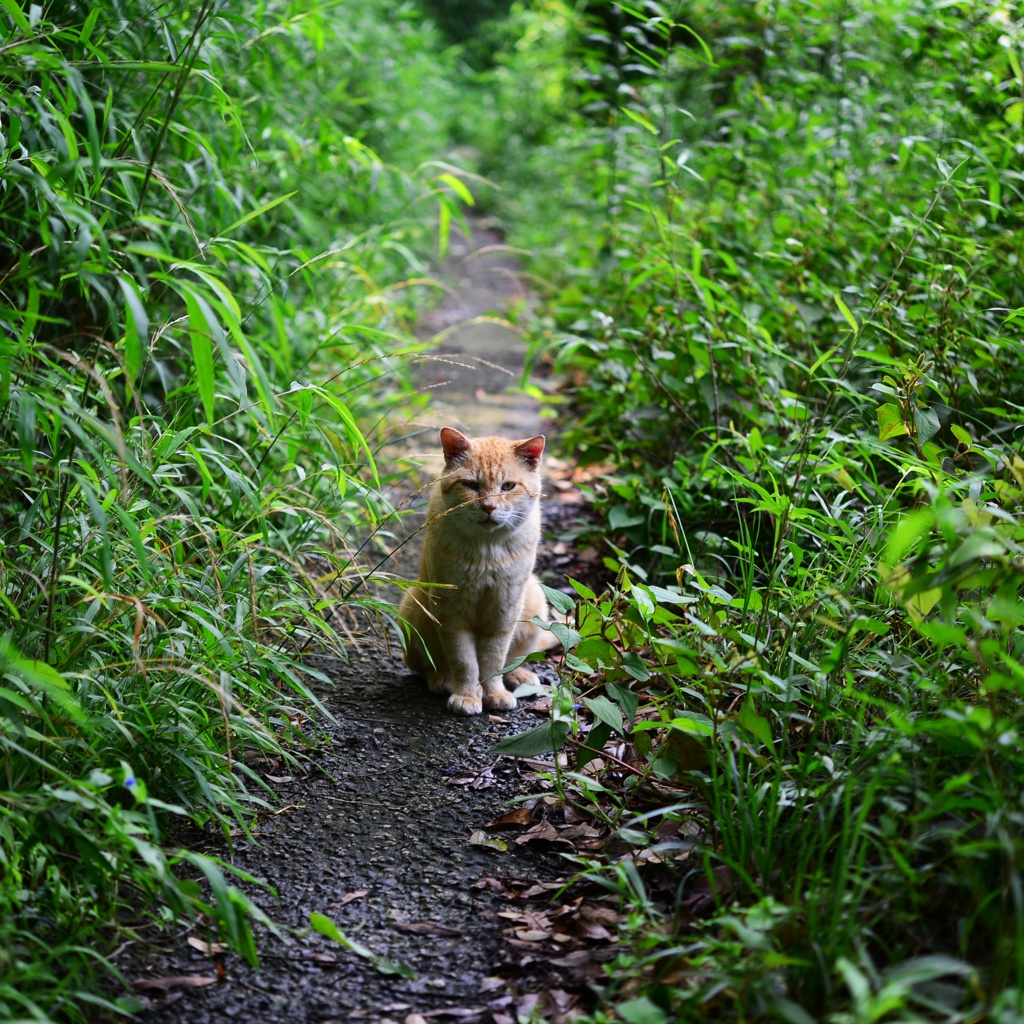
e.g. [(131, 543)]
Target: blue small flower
[(129, 782)]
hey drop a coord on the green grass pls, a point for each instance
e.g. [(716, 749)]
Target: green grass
[(215, 229)]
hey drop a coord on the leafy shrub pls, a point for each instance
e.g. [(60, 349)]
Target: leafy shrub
[(786, 300)]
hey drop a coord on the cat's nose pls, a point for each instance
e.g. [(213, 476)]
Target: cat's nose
[(488, 505)]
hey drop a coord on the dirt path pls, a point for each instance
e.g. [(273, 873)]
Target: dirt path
[(386, 834)]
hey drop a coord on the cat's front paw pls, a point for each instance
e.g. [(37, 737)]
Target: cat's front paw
[(460, 704), (519, 676), (500, 700)]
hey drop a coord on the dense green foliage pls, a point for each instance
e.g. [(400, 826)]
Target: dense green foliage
[(786, 290), (779, 246), (209, 223)]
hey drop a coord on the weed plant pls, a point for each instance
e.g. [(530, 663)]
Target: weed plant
[(213, 220), (786, 292)]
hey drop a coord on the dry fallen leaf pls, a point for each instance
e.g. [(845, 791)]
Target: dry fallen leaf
[(542, 830), (487, 882), (482, 839), (207, 948), (350, 896), (519, 816), (540, 889), (176, 981), (593, 931), (456, 1011), (481, 780), (426, 928)]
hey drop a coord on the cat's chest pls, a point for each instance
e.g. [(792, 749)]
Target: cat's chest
[(485, 575)]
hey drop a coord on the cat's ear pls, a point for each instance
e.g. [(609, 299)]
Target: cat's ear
[(530, 450), (454, 445)]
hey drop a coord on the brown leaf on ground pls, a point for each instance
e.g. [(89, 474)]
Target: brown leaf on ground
[(176, 981), (539, 889), (488, 882), (593, 931), (481, 780), (542, 830), (542, 707), (582, 957), (458, 1012), (480, 838), (207, 948), (348, 898), (597, 912), (518, 817), (581, 831), (426, 928)]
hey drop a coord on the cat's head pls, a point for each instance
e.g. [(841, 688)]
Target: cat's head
[(490, 483)]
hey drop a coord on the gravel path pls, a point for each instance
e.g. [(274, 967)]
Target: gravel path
[(385, 834)]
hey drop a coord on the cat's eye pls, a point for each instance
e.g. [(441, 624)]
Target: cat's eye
[(472, 485), (508, 485)]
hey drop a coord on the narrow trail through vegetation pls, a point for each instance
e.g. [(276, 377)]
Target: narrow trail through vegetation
[(385, 835)]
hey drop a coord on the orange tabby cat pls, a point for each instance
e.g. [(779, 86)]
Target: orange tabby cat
[(483, 525)]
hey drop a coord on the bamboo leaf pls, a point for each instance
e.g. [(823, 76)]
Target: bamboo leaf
[(202, 355), (259, 211), (847, 314)]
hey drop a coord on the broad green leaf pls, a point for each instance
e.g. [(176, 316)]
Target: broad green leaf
[(624, 697), (961, 435), (543, 739), (620, 517), (575, 664), (567, 637), (757, 726), (926, 423), (594, 742), (641, 1011), (562, 603), (906, 534), (890, 422), (604, 710), (584, 591), (633, 664), (685, 721)]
